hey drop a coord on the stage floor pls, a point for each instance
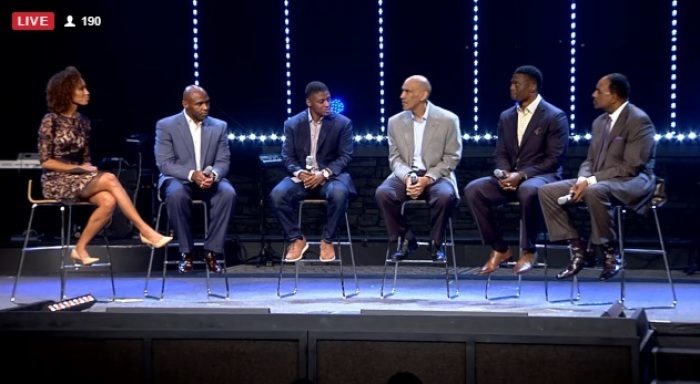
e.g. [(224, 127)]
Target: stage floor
[(419, 288)]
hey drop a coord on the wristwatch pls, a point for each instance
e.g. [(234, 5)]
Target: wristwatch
[(326, 174)]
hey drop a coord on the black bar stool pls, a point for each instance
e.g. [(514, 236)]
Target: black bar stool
[(338, 244), (448, 242), (511, 264), (167, 262)]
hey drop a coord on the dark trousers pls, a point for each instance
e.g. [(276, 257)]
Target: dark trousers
[(484, 194), (287, 194), (441, 198), (221, 200)]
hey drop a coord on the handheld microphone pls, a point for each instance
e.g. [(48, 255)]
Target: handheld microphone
[(500, 174), (208, 170), (414, 178), (565, 199), (309, 163)]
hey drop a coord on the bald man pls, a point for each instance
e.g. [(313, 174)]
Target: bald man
[(193, 156), (425, 147)]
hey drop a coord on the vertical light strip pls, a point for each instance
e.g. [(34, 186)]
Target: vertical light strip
[(287, 57), (475, 41), (572, 69), (380, 22), (195, 41), (674, 57)]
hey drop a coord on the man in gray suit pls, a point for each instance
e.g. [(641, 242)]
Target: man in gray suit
[(193, 156), (425, 146), (618, 170)]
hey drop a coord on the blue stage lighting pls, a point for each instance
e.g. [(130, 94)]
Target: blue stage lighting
[(337, 106)]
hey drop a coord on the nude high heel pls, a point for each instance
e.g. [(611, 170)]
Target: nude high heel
[(164, 240), (83, 261)]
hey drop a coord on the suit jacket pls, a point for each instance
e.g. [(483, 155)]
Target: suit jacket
[(628, 165), (442, 144), (543, 146), (174, 148), (333, 149)]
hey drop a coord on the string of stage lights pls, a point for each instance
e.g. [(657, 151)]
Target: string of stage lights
[(338, 106)]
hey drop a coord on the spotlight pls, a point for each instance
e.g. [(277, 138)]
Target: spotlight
[(337, 106)]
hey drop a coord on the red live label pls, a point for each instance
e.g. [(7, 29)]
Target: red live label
[(33, 21)]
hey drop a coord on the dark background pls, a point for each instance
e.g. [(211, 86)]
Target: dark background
[(141, 57), (139, 60)]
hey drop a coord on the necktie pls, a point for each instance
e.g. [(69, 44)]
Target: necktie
[(603, 143)]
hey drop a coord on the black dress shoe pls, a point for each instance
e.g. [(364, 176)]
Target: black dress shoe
[(185, 263), (212, 264), (408, 245), (611, 265), (582, 258), (436, 252)]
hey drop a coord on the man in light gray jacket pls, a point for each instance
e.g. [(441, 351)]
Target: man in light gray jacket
[(425, 147)]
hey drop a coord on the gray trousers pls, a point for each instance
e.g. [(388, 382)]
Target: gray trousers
[(597, 198)]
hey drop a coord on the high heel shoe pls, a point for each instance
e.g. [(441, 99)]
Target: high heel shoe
[(158, 244), (84, 261)]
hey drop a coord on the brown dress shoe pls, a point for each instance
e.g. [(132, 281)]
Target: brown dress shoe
[(212, 264), (581, 258), (612, 264), (525, 263), (295, 250), (327, 251), (495, 260), (185, 265)]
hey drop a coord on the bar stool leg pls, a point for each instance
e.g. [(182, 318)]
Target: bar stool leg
[(620, 214), (387, 260), (454, 263), (111, 271), (296, 264), (352, 259), (665, 256), (150, 262), (279, 277), (518, 287), (65, 244), (660, 251), (24, 253)]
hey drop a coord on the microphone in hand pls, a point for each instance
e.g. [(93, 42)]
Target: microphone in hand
[(208, 171), (565, 199), (500, 174), (309, 163), (414, 178)]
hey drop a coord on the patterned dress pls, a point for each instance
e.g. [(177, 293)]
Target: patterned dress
[(64, 139)]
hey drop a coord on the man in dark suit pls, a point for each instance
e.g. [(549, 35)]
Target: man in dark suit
[(317, 149), (193, 156), (425, 147), (618, 170), (533, 137)]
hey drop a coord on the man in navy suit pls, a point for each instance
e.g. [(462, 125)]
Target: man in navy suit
[(619, 169), (193, 156), (316, 152), (533, 137)]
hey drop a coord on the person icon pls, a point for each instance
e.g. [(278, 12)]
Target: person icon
[(69, 22)]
